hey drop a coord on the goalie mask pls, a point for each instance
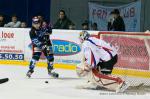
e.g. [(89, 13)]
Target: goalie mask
[(84, 35)]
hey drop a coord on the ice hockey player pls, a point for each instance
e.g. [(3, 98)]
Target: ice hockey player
[(41, 43), (99, 58)]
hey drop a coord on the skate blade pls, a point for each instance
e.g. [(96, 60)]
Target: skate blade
[(28, 75), (122, 87), (54, 76)]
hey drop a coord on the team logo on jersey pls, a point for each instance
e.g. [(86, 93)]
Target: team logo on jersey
[(64, 48)]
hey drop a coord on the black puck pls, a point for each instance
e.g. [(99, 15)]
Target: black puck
[(46, 81)]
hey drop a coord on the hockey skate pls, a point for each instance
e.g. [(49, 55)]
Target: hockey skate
[(122, 87), (52, 74), (29, 73)]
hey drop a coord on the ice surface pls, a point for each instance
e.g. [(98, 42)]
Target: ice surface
[(20, 87)]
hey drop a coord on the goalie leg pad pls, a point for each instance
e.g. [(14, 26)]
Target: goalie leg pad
[(106, 81), (99, 75)]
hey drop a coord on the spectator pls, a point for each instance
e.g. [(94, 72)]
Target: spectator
[(2, 21), (116, 23), (46, 27), (72, 26), (147, 32), (15, 23), (94, 26), (23, 25), (85, 25), (44, 24), (41, 18), (63, 22)]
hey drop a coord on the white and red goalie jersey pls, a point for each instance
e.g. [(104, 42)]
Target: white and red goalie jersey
[(96, 50)]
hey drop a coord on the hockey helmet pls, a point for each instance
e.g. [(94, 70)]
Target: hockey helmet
[(35, 20), (84, 35)]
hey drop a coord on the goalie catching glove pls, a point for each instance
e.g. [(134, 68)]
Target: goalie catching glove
[(83, 71)]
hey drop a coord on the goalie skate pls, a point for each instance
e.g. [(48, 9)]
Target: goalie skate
[(122, 87)]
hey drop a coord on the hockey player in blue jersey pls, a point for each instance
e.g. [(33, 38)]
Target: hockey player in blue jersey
[(41, 43)]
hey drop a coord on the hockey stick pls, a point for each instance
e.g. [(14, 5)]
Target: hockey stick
[(4, 80)]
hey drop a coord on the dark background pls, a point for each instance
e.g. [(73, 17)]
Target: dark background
[(25, 9)]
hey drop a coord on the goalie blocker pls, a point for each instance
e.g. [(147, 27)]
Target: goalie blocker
[(98, 62)]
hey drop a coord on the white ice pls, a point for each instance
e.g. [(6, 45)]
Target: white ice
[(20, 87)]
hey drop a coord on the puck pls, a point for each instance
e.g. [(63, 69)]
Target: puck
[(46, 81)]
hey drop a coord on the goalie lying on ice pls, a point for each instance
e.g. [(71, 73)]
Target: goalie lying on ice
[(98, 62)]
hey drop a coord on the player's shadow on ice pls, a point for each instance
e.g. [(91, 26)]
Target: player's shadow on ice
[(140, 89), (95, 88)]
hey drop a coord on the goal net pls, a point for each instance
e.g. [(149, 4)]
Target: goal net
[(133, 55)]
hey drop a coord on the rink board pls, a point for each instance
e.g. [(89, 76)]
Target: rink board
[(117, 71), (66, 48)]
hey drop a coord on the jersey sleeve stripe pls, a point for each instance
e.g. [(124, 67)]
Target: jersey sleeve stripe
[(93, 59)]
